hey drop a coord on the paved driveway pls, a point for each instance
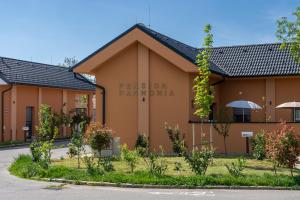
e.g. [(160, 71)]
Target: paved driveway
[(13, 188)]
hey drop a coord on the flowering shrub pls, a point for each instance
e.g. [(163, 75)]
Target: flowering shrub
[(177, 139), (98, 137), (282, 147)]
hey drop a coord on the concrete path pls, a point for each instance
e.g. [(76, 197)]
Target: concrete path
[(13, 188)]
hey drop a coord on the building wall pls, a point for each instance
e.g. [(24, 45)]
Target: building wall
[(169, 102), (170, 99), (119, 77), (22, 96)]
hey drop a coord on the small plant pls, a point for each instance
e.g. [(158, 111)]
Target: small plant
[(98, 137), (76, 147), (259, 146), (131, 157), (157, 165), (46, 134), (92, 166), (142, 144), (178, 166), (223, 126), (106, 164), (235, 169), (282, 147), (177, 139), (199, 160)]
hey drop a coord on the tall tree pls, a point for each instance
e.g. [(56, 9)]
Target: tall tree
[(68, 62), (203, 91), (288, 32)]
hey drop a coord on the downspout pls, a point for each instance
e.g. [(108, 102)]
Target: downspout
[(103, 95), (2, 111)]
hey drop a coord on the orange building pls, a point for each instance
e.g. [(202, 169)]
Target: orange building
[(145, 79), (24, 86)]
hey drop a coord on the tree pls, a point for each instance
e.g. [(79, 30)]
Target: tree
[(46, 133), (288, 32), (68, 62), (222, 127), (203, 91)]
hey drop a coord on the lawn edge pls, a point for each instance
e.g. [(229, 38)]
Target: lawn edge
[(150, 186)]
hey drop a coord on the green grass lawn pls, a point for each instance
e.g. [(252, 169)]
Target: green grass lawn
[(253, 167), (257, 173)]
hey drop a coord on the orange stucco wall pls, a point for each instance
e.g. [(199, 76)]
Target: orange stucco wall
[(171, 95), (33, 96)]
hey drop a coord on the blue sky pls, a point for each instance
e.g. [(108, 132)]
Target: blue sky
[(48, 31)]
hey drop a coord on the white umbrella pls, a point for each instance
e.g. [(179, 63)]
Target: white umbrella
[(292, 105), (244, 105)]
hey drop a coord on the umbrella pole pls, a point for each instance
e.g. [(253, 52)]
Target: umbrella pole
[(294, 115), (243, 115)]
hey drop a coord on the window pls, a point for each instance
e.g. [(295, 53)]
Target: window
[(241, 115), (80, 111), (297, 115)]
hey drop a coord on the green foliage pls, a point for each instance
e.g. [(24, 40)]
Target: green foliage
[(107, 164), (235, 169), (92, 167), (203, 91), (178, 166), (142, 144), (177, 139), (99, 137), (157, 165), (131, 157), (47, 128), (76, 146), (46, 134), (288, 33), (22, 164), (80, 118), (199, 160), (259, 146), (222, 126), (282, 147)]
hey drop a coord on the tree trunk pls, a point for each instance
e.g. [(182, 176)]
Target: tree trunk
[(225, 147)]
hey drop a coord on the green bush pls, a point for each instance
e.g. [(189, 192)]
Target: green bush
[(99, 137), (235, 169), (131, 157), (157, 165), (177, 139), (178, 166), (259, 146), (107, 164), (92, 167), (142, 145), (199, 160)]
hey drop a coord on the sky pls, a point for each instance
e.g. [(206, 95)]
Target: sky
[(48, 31)]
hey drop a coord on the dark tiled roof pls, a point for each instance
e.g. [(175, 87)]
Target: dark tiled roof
[(237, 61), (25, 72)]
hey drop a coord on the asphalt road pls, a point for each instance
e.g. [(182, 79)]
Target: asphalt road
[(13, 188)]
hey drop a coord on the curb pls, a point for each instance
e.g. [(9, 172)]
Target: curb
[(149, 186)]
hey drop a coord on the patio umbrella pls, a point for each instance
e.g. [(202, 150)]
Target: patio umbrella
[(292, 105), (244, 105)]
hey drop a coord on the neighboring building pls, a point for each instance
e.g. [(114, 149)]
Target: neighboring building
[(26, 85), (148, 79)]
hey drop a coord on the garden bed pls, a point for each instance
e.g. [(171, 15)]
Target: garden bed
[(256, 173)]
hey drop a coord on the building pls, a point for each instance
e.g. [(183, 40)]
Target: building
[(147, 80), (26, 85)]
